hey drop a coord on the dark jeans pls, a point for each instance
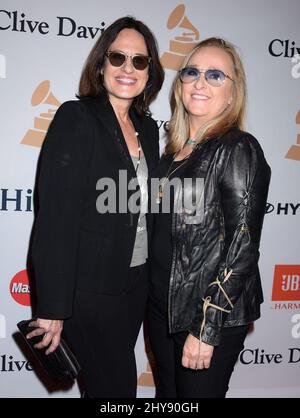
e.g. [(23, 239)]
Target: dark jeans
[(176, 381), (103, 331)]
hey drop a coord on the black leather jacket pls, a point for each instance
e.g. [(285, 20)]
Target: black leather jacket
[(215, 281)]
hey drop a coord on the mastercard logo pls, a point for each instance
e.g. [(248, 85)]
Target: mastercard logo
[(20, 289)]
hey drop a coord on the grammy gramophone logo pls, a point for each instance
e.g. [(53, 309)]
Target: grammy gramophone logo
[(42, 95), (294, 151), (180, 45)]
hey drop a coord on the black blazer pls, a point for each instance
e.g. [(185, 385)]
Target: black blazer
[(74, 246)]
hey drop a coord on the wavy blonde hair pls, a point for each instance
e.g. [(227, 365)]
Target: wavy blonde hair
[(232, 117)]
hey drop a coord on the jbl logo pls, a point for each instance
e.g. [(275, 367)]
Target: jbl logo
[(286, 285)]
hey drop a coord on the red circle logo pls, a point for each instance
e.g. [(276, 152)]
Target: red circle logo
[(19, 288)]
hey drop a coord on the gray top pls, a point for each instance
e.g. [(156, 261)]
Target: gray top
[(140, 249)]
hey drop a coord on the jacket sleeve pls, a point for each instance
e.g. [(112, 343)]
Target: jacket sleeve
[(60, 188), (243, 189)]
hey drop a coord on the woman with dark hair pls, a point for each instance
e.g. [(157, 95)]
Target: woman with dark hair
[(89, 247)]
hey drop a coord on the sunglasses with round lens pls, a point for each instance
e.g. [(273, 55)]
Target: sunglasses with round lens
[(117, 59), (213, 77)]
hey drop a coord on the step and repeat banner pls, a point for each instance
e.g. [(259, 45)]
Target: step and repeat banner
[(43, 46)]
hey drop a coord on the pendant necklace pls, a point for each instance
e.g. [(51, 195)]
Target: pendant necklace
[(191, 141)]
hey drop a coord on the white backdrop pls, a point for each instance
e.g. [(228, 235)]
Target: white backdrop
[(42, 49)]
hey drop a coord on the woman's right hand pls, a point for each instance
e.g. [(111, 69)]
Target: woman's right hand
[(51, 328)]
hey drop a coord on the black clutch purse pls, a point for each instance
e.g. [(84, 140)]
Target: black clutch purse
[(60, 365)]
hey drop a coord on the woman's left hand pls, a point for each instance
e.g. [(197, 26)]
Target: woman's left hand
[(196, 354)]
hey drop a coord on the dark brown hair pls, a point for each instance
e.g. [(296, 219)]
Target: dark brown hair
[(91, 81)]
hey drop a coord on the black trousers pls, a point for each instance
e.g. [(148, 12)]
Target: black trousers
[(103, 331), (176, 381)]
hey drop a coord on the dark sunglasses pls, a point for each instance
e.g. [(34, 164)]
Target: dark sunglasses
[(213, 77), (117, 59)]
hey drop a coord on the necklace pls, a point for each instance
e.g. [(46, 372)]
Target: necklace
[(160, 192), (191, 141), (121, 122)]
